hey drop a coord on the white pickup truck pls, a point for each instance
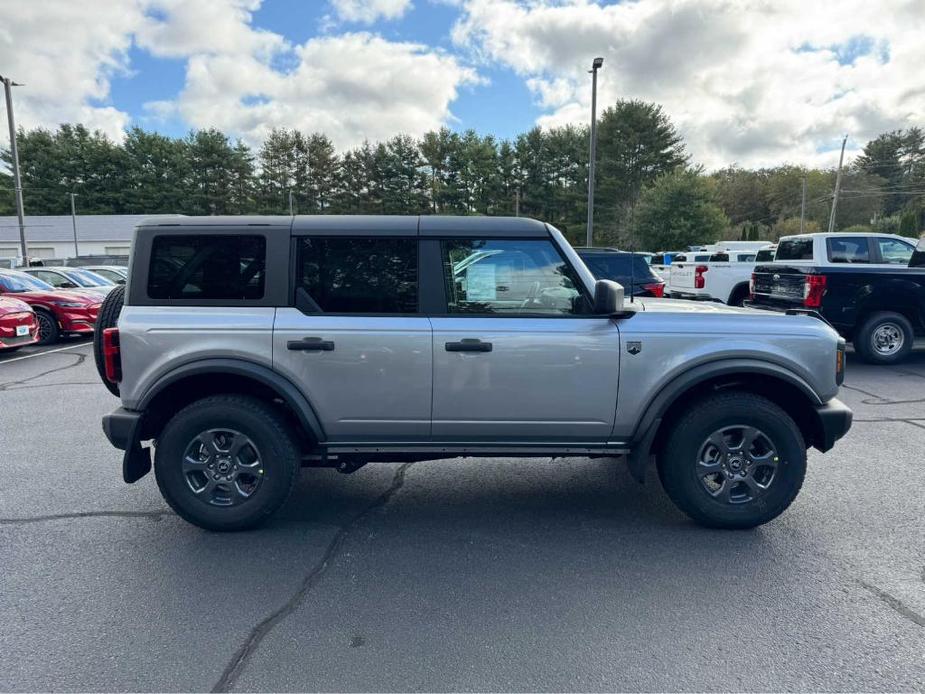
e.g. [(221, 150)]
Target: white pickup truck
[(718, 276)]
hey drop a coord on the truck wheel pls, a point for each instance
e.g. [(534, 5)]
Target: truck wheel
[(884, 338), (738, 295), (733, 460), (48, 327), (108, 317), (226, 462)]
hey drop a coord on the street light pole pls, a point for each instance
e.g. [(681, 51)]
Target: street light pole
[(8, 85), (595, 66), (74, 223)]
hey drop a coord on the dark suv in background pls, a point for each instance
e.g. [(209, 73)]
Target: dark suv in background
[(625, 268)]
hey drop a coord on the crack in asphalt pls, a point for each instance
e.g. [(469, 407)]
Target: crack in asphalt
[(81, 358), (50, 385), (86, 514), (895, 603), (874, 399), (241, 657)]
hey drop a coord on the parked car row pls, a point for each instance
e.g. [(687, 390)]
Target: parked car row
[(48, 312)]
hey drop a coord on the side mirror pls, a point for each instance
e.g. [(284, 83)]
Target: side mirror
[(608, 298), (68, 285), (120, 281)]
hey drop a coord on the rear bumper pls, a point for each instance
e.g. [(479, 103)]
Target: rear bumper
[(120, 427), (834, 421)]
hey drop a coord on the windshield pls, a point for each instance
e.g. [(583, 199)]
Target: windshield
[(21, 282), (93, 278)]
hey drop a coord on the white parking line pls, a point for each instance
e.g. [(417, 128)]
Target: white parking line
[(41, 354)]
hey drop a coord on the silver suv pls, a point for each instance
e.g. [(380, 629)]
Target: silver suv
[(250, 346)]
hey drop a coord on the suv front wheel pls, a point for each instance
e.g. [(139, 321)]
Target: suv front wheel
[(226, 462), (733, 460)]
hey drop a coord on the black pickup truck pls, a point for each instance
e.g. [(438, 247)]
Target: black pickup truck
[(871, 288)]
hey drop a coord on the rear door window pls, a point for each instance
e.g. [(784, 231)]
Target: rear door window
[(795, 249), (848, 250), (207, 267), (358, 275)]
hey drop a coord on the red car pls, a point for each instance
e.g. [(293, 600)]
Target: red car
[(18, 326), (57, 311)]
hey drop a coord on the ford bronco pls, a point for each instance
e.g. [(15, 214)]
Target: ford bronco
[(243, 348)]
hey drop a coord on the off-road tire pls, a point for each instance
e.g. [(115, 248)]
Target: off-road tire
[(864, 340), (254, 418), (108, 317), (677, 463), (49, 333)]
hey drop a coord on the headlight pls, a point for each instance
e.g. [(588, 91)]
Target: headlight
[(68, 304)]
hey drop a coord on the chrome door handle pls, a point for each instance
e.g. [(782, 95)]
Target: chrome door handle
[(468, 345), (311, 344)]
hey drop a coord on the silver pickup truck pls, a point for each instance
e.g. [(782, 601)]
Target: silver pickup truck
[(247, 347)]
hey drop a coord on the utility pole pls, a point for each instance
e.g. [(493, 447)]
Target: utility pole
[(74, 223), (803, 207), (517, 201), (841, 160), (291, 213), (8, 85), (595, 66)]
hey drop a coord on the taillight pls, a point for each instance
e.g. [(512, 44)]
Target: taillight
[(698, 276), (813, 290), (656, 289), (112, 359), (751, 288)]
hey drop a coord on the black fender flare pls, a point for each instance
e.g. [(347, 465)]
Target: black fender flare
[(644, 435), (282, 386)]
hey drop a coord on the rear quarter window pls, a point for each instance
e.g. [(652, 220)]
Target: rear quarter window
[(207, 267), (795, 249)]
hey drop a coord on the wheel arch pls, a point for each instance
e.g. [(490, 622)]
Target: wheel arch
[(793, 394), (740, 288), (202, 378)]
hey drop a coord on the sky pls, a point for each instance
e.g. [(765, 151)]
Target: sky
[(747, 82)]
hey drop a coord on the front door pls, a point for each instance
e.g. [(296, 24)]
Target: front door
[(354, 341), (518, 356)]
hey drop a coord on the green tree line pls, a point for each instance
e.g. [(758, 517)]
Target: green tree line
[(649, 195)]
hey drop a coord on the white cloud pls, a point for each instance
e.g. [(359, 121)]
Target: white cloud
[(239, 78), (352, 87), (66, 53), (369, 11), (749, 81)]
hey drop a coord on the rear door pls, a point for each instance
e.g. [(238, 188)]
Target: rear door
[(355, 340), (517, 354)]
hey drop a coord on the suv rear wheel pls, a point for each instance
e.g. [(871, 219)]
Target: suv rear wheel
[(884, 338), (734, 460), (226, 462)]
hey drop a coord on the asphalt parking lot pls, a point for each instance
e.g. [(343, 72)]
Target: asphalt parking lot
[(455, 575)]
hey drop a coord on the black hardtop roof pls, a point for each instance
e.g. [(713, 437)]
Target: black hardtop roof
[(351, 225)]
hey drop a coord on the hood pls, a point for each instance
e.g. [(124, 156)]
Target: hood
[(44, 297), (682, 306), (10, 305)]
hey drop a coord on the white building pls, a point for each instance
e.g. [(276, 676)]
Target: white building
[(52, 237)]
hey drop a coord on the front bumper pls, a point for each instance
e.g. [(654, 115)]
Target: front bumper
[(834, 421)]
